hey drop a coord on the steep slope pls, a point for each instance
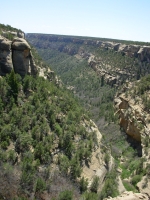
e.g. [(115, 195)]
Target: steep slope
[(77, 70), (132, 106), (49, 147), (42, 128), (15, 52), (116, 61)]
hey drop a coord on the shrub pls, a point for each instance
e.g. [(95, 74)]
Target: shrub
[(95, 184), (136, 179), (90, 196), (40, 185), (83, 184), (66, 195)]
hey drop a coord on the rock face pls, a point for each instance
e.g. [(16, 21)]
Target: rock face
[(138, 51), (129, 115), (144, 185), (111, 72), (22, 58), (132, 114), (97, 166), (16, 55), (129, 196), (6, 64), (106, 75), (134, 118)]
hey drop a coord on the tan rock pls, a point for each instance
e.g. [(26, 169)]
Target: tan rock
[(22, 58), (144, 185), (129, 196)]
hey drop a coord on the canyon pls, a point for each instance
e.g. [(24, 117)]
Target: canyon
[(108, 152)]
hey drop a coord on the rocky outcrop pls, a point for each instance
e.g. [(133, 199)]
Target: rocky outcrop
[(90, 49), (19, 34), (134, 118), (108, 77), (130, 116), (6, 64), (16, 55), (97, 165), (129, 196), (22, 58), (144, 185)]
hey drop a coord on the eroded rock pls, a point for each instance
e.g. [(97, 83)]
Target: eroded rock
[(21, 56), (6, 64), (129, 196), (16, 55)]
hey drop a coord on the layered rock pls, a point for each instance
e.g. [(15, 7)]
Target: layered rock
[(134, 118), (138, 51), (16, 55), (108, 77), (130, 116)]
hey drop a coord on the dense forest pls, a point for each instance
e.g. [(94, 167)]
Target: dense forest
[(40, 123)]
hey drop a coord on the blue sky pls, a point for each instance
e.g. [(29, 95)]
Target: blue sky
[(119, 19)]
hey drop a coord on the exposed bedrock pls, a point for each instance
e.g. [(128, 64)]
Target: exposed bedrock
[(16, 55)]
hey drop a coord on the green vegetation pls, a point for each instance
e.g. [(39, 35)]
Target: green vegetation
[(65, 195), (68, 38), (95, 184), (142, 90), (37, 119), (6, 31), (83, 184), (97, 97), (110, 187), (42, 131), (7, 28)]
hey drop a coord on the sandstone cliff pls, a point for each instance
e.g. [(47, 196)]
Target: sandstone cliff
[(16, 55), (133, 111), (113, 61), (139, 51)]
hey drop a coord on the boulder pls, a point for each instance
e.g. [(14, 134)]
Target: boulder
[(5, 56), (20, 44), (21, 35)]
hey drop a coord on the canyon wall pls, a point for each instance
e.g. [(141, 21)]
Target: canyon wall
[(139, 51)]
